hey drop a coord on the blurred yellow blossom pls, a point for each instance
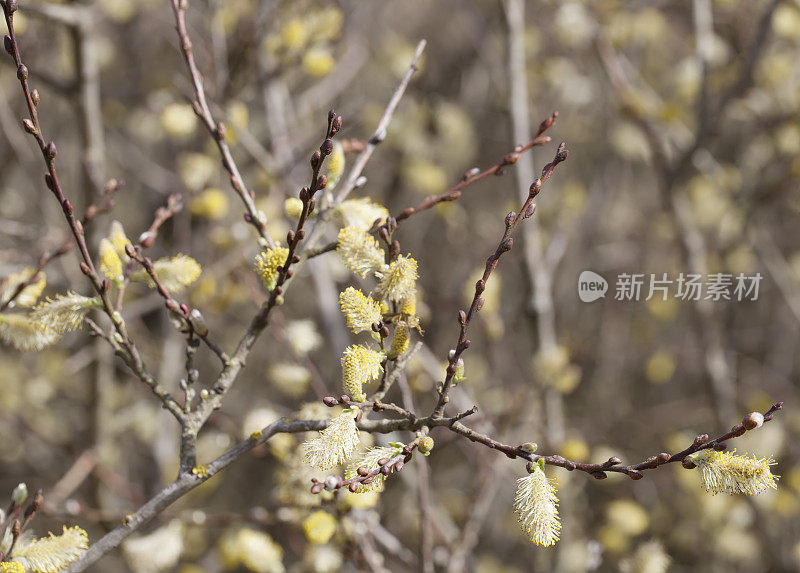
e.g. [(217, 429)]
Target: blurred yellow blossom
[(319, 527), (318, 62), (178, 119), (30, 294), (211, 204)]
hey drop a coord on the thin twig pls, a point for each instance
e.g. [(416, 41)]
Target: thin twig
[(215, 128)]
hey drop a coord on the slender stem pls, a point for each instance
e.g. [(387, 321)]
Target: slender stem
[(216, 129)]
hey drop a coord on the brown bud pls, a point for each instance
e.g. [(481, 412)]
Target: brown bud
[(635, 475), (85, 269), (221, 132), (8, 45), (753, 420), (106, 285), (701, 439), (398, 466), (599, 475), (337, 125), (66, 206), (536, 186), (331, 115), (613, 461), (480, 303), (480, 286), (353, 487), (470, 173), (562, 153), (663, 457), (35, 97), (547, 123), (315, 157), (330, 401), (304, 194), (322, 182), (22, 72), (317, 488), (327, 147), (510, 218), (462, 317), (11, 6), (295, 258), (344, 398), (147, 239), (50, 151), (16, 529), (688, 464), (301, 234), (362, 471), (290, 236), (507, 244)]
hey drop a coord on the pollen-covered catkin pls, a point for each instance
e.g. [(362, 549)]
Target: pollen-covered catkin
[(536, 505)]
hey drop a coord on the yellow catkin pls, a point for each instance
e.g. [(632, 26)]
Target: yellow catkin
[(267, 264), (110, 263), (335, 444), (360, 311), (398, 280), (359, 366), (726, 472), (361, 213), (53, 553), (369, 461), (400, 340), (536, 506), (359, 251)]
